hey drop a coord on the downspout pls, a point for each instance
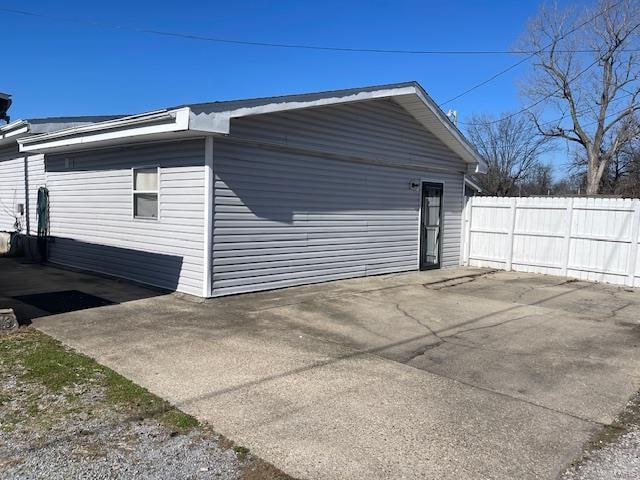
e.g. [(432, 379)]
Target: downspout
[(208, 217)]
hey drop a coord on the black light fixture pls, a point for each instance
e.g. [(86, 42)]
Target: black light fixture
[(5, 103), (414, 184)]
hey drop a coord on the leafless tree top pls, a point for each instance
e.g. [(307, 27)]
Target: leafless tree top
[(586, 77)]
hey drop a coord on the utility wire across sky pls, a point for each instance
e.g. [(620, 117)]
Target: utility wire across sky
[(529, 53), (192, 36)]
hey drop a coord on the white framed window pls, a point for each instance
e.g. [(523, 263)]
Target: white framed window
[(146, 192)]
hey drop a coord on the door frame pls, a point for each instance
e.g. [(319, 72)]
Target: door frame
[(422, 238)]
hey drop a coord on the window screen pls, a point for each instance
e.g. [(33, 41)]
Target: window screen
[(145, 193)]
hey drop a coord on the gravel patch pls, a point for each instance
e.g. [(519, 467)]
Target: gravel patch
[(614, 451), (141, 451), (620, 460), (63, 416)]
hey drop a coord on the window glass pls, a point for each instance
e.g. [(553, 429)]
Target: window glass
[(145, 179), (145, 205), (145, 193)]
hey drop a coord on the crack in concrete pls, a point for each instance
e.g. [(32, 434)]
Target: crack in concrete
[(519, 399), (614, 312), (443, 340), (474, 346), (355, 292), (453, 282)]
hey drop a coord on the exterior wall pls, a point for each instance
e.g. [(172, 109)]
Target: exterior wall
[(283, 218), (36, 178), (376, 129), (19, 183), (12, 186), (323, 194), (91, 219)]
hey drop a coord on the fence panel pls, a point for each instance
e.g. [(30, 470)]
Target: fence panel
[(592, 239)]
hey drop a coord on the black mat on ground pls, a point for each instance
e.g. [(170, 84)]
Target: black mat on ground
[(63, 301)]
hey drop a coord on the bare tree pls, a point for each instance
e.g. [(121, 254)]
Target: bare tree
[(587, 69), (538, 182), (511, 147), (621, 177)]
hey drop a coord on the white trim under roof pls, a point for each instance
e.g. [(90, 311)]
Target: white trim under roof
[(147, 125), (210, 119), (9, 131), (472, 184)]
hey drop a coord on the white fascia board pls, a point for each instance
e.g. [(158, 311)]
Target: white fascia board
[(111, 132), (472, 184), (11, 130), (356, 97), (220, 122)]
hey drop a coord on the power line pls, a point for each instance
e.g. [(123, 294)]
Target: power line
[(190, 36), (537, 102), (502, 72), (546, 97), (630, 108), (581, 112)]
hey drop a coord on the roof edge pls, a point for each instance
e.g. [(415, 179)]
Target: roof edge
[(10, 131), (108, 132), (204, 120)]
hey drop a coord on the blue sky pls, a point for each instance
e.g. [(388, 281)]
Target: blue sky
[(61, 68)]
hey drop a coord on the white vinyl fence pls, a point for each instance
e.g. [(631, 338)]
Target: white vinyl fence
[(592, 239)]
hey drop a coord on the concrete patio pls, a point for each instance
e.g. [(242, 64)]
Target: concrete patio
[(459, 373)]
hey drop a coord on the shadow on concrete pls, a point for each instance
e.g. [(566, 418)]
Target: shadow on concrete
[(34, 290)]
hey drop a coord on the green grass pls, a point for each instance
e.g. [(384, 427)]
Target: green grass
[(241, 451), (41, 359)]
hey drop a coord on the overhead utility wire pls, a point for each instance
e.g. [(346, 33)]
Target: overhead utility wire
[(546, 97), (533, 54), (230, 41), (581, 112), (537, 102)]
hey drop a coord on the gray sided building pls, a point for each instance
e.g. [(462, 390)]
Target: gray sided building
[(230, 197)]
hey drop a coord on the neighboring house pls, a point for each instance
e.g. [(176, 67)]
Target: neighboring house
[(19, 179), (227, 197)]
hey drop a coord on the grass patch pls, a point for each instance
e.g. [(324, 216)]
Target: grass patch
[(43, 360), (179, 420), (241, 451)]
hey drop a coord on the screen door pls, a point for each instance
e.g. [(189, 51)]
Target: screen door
[(430, 225)]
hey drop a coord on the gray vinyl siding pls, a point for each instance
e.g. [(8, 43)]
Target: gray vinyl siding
[(323, 194), (91, 214), (35, 179), (12, 186), (376, 129), (283, 218), (19, 183)]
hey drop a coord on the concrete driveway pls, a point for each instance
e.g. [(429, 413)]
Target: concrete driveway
[(460, 374)]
